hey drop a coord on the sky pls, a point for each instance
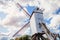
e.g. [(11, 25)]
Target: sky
[(12, 17)]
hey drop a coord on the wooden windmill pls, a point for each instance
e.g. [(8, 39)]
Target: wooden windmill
[(36, 23)]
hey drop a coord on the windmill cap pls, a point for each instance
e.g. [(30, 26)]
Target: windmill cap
[(37, 10)]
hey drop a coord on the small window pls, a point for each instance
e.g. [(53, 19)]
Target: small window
[(39, 25)]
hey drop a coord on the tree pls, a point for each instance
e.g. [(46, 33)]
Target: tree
[(25, 37)]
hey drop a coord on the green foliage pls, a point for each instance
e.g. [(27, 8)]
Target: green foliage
[(24, 37)]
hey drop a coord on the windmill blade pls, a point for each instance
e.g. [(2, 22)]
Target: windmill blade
[(25, 26), (22, 32), (21, 29), (27, 14)]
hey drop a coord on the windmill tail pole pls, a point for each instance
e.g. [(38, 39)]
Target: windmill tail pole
[(47, 32)]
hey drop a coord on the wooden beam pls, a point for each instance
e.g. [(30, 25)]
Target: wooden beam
[(47, 32)]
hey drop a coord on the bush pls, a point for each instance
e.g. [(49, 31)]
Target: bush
[(24, 37)]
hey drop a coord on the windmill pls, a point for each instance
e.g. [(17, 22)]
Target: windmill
[(36, 23)]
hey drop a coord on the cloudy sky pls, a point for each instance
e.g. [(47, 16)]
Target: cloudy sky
[(12, 17)]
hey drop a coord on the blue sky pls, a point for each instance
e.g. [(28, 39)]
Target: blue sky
[(30, 9), (2, 15), (2, 29), (47, 20), (57, 11)]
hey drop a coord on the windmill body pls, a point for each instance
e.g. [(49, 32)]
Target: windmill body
[(36, 19), (36, 23)]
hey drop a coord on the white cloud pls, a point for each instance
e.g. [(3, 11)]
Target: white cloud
[(55, 21), (14, 16), (54, 24)]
